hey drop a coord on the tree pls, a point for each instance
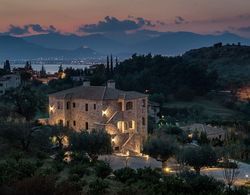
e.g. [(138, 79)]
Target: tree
[(6, 66), (23, 134), (161, 147), (111, 66), (60, 69), (230, 174), (198, 157), (28, 66), (59, 135), (26, 101), (43, 72), (103, 169), (116, 62), (157, 97), (107, 68), (94, 143)]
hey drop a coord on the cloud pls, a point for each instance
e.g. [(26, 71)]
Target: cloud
[(180, 20), (244, 29), (17, 30), (161, 23), (112, 24), (29, 28)]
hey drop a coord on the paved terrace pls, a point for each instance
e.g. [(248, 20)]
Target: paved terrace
[(119, 161)]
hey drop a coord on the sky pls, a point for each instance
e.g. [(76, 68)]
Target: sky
[(89, 16)]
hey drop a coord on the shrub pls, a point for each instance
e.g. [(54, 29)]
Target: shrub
[(125, 174), (102, 169), (36, 185), (80, 170), (98, 186), (68, 188)]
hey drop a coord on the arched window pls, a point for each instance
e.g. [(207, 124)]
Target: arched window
[(129, 105)]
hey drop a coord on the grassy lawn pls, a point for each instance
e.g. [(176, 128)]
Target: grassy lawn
[(211, 108)]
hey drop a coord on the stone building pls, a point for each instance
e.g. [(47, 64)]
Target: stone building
[(123, 114), (211, 132)]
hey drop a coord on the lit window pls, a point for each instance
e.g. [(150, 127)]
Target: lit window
[(129, 105), (131, 124)]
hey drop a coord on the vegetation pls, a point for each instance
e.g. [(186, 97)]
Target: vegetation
[(166, 75)]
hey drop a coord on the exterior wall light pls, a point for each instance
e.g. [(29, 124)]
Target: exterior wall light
[(104, 113), (51, 109)]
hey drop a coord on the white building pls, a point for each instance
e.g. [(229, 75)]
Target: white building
[(9, 81)]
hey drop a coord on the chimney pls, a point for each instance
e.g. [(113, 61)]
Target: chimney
[(111, 84), (86, 83)]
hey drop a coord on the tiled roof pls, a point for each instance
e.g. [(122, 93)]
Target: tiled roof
[(96, 93)]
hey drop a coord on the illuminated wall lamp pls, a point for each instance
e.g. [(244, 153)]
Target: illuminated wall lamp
[(104, 113)]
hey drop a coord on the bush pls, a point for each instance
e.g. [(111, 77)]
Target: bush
[(68, 188), (98, 186), (202, 184), (80, 170), (36, 185), (79, 157), (46, 171), (125, 174), (102, 169), (185, 94)]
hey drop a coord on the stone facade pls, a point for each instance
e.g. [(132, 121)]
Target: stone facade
[(123, 115)]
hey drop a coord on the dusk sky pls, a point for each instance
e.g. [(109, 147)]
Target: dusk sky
[(202, 16)]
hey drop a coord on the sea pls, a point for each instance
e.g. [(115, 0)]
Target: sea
[(50, 68)]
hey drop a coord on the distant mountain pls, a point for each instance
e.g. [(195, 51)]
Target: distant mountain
[(97, 42), (17, 48), (143, 41)]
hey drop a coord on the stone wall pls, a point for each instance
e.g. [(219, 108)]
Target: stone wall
[(104, 115)]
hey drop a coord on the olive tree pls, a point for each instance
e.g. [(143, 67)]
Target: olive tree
[(94, 143), (160, 147), (198, 157)]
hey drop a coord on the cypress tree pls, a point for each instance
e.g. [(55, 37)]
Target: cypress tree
[(6, 66), (111, 65), (116, 62), (107, 68)]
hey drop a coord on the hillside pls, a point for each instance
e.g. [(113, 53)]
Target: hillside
[(232, 62), (17, 48)]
